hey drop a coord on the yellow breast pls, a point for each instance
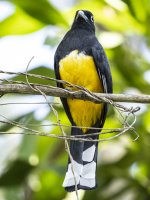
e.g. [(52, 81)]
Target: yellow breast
[(79, 69)]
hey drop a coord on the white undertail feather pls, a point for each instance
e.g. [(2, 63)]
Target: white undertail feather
[(88, 154), (88, 175), (83, 174), (71, 172)]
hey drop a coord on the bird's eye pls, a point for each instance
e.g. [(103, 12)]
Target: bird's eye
[(92, 19)]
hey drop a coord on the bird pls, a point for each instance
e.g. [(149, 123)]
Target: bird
[(81, 60)]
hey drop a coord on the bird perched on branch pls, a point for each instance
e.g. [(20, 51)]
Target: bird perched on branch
[(81, 60)]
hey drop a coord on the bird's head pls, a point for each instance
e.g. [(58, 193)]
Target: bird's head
[(84, 19)]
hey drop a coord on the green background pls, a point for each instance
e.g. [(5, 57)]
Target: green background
[(35, 171)]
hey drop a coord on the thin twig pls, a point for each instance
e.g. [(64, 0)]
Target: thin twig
[(27, 103), (41, 133)]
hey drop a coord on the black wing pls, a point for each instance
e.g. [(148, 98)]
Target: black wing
[(104, 73), (103, 68)]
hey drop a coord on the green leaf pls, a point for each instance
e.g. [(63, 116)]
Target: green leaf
[(129, 65), (138, 9), (15, 174), (19, 23), (41, 10), (49, 179), (28, 146), (44, 71), (6, 127)]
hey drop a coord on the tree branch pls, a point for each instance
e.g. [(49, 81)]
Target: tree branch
[(80, 94)]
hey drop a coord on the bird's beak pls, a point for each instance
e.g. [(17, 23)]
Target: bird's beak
[(81, 14)]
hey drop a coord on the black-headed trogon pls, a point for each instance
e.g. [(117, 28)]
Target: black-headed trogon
[(81, 60)]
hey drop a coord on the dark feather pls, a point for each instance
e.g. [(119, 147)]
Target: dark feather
[(82, 37)]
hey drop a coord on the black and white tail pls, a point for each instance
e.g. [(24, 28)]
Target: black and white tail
[(84, 161)]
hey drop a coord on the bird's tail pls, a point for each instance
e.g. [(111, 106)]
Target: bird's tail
[(81, 170)]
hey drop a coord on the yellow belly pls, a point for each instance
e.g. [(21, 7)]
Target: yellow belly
[(79, 69)]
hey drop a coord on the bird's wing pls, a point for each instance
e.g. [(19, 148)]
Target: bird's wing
[(104, 73), (103, 68)]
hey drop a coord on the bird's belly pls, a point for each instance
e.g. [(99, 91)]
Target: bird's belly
[(79, 69)]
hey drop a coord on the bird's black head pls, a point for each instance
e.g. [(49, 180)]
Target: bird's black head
[(84, 19)]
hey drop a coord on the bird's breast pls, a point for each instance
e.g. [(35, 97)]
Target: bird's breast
[(79, 69)]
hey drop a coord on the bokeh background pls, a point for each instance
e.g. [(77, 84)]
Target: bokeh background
[(33, 168)]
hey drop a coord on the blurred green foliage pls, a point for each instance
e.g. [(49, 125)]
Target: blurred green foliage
[(37, 170)]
